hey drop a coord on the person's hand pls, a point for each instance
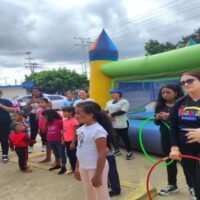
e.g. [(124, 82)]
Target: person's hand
[(77, 174), (193, 135), (96, 181), (110, 117), (1, 105), (162, 116), (175, 153)]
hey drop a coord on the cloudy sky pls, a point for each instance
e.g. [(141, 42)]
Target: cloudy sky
[(50, 29)]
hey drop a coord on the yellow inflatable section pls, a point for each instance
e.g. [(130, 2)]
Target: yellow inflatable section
[(100, 84)]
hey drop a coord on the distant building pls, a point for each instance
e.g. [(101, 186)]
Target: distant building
[(11, 91)]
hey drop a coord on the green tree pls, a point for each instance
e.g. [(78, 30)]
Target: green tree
[(153, 47), (58, 81), (195, 36)]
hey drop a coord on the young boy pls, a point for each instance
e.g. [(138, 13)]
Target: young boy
[(19, 141)]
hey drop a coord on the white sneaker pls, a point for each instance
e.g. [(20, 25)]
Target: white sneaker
[(43, 148), (5, 158), (192, 194), (30, 149)]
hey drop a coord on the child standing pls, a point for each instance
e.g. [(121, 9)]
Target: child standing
[(70, 124), (43, 104), (91, 166), (19, 142), (54, 134)]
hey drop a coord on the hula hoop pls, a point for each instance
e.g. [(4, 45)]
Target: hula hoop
[(142, 146), (156, 164)]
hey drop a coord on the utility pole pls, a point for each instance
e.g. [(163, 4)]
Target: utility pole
[(30, 65), (84, 42)]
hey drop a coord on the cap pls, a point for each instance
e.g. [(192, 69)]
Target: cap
[(116, 91)]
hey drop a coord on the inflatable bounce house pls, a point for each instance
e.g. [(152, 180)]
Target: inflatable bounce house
[(140, 79)]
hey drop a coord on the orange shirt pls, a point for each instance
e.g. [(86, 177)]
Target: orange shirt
[(68, 128)]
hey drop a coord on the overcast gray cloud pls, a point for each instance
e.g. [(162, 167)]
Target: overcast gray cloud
[(47, 29)]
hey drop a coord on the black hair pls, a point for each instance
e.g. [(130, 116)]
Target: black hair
[(51, 115), (100, 116), (39, 89), (195, 74), (21, 113), (70, 109), (44, 99), (86, 91), (161, 102)]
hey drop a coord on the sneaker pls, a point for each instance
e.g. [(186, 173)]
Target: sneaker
[(113, 193), (129, 155), (116, 152), (30, 149), (43, 148), (169, 189), (5, 158), (55, 167), (192, 194), (62, 171)]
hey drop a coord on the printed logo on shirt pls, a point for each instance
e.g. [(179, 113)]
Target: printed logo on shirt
[(51, 129), (191, 113), (80, 139)]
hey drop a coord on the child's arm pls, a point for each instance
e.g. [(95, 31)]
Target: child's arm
[(76, 172), (102, 150), (11, 145), (28, 140), (73, 143)]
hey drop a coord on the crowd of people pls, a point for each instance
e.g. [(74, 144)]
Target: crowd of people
[(88, 135)]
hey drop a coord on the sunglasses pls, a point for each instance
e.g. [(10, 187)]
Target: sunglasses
[(188, 81)]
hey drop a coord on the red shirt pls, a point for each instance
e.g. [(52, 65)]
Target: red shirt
[(54, 130), (68, 128), (19, 140)]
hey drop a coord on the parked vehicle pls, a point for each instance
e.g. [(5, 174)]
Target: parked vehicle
[(57, 101)]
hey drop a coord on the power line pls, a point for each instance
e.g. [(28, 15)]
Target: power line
[(84, 42)]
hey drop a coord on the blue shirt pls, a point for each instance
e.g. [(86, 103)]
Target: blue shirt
[(4, 115), (68, 103)]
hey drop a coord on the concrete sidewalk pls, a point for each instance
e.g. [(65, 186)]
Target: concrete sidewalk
[(44, 185)]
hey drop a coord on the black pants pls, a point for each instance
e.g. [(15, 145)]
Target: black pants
[(172, 168), (4, 136), (71, 154), (192, 167), (113, 176), (123, 134), (43, 138), (22, 153), (33, 126)]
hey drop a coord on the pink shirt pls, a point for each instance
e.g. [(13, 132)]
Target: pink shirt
[(54, 130), (41, 121), (68, 128)]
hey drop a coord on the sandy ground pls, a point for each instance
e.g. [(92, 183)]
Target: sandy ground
[(44, 185)]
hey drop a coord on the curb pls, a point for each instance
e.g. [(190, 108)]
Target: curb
[(140, 193)]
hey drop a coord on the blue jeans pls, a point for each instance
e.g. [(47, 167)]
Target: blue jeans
[(58, 150)]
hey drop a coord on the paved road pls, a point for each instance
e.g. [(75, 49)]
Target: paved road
[(44, 185)]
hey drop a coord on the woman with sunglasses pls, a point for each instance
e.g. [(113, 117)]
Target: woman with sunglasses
[(186, 114)]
